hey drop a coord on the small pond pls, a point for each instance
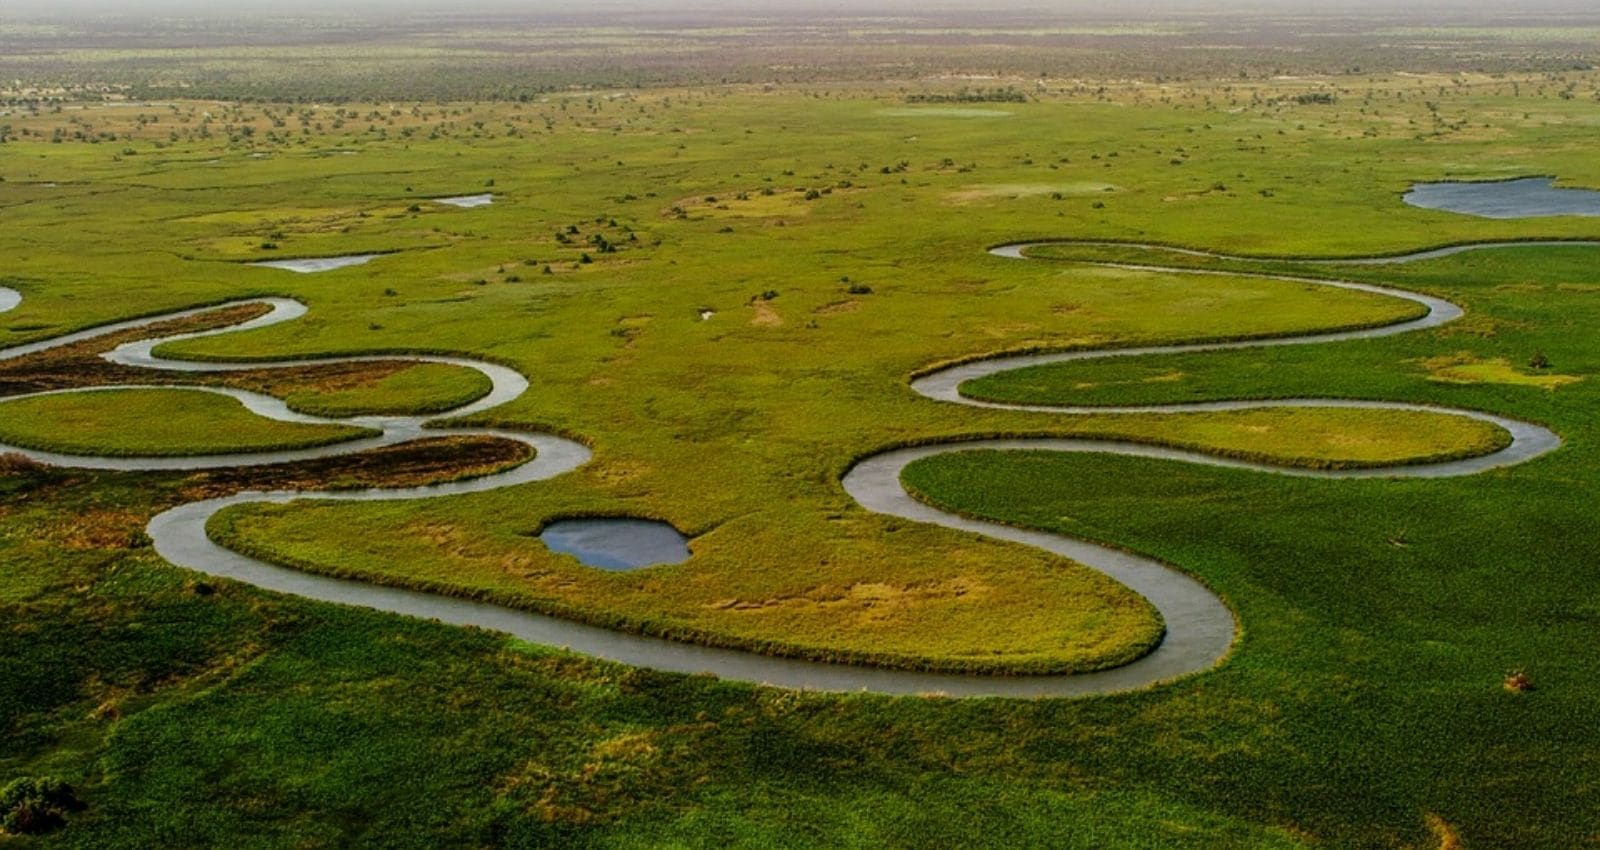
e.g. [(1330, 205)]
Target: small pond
[(467, 201), (617, 544), (307, 265), (1529, 197)]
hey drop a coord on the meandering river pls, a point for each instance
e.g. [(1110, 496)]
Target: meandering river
[(1200, 627)]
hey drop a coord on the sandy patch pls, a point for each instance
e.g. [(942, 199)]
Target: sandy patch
[(836, 307), (765, 315), (1012, 191), (943, 112)]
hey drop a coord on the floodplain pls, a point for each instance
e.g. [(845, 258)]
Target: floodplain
[(722, 298)]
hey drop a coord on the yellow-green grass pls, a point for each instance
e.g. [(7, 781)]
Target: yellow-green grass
[(415, 389), (1316, 437), (1466, 369), (866, 603), (861, 600), (153, 423), (1378, 617), (747, 419)]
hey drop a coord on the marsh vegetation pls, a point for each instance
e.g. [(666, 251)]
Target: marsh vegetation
[(721, 274)]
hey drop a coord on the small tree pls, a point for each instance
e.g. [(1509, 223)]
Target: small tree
[(1539, 361)]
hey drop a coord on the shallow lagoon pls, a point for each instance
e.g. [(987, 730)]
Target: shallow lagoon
[(467, 201), (1529, 197), (307, 265), (944, 112), (617, 544)]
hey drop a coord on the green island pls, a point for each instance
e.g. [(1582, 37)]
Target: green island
[(154, 422), (412, 388)]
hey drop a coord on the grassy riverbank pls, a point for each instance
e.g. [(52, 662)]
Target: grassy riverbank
[(403, 389), (155, 423)]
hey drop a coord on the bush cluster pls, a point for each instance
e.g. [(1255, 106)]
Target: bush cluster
[(31, 805)]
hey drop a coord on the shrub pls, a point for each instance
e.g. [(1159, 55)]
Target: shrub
[(36, 804), (1539, 361), (13, 463)]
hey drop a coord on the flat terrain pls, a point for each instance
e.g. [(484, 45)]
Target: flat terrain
[(153, 422), (725, 292)]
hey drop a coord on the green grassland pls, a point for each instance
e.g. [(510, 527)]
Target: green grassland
[(938, 614), (154, 423), (414, 388), (837, 242)]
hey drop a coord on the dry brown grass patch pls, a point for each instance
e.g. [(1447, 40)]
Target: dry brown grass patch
[(765, 315)]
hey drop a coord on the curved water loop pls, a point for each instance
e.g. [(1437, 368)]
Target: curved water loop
[(1200, 628)]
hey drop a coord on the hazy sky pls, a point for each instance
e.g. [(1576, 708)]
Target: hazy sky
[(1098, 8)]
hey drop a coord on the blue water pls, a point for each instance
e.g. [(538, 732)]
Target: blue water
[(1530, 197), (617, 544)]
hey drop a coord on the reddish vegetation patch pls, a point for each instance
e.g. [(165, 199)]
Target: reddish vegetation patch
[(97, 529), (424, 461), (12, 463), (333, 377), (80, 365)]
